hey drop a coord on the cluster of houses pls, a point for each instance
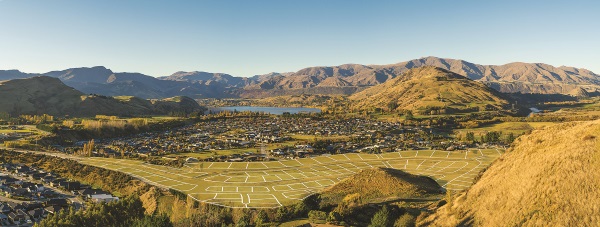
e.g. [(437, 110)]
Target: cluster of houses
[(244, 157), (358, 135), (18, 213), (44, 191), (15, 182)]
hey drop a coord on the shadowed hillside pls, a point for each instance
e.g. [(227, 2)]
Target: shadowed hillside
[(549, 178), (47, 95)]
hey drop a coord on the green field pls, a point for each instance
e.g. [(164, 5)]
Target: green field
[(300, 137), (517, 128), (276, 183), (227, 152), (24, 129)]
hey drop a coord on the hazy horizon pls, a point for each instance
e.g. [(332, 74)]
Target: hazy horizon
[(253, 38)]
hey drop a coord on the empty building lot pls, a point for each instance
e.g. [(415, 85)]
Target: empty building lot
[(276, 183)]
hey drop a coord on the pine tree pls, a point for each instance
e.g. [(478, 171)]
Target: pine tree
[(261, 218), (471, 136), (88, 148), (381, 218)]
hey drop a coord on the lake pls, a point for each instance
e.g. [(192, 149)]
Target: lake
[(271, 110)]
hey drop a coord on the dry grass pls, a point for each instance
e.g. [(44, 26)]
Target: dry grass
[(550, 178), (380, 184), (428, 87)]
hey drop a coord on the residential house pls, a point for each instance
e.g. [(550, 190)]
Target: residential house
[(4, 208), (87, 193), (23, 170), (37, 214), (56, 202), (19, 192), (19, 217), (48, 179), (103, 198), (72, 185), (58, 183), (10, 180), (3, 219), (15, 206), (37, 176), (53, 209), (33, 206)]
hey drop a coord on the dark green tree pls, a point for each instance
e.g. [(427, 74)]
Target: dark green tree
[(381, 218), (392, 105), (470, 136), (409, 115), (261, 218), (510, 138)]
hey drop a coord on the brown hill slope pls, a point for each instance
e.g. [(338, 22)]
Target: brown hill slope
[(510, 78), (427, 89), (549, 178), (197, 76), (38, 95), (47, 95), (334, 82), (379, 184)]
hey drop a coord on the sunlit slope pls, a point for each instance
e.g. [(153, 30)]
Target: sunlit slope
[(47, 95), (380, 184), (276, 183), (549, 178), (428, 88)]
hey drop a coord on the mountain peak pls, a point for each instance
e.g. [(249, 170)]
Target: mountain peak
[(429, 90)]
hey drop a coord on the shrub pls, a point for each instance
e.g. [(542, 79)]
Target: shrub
[(334, 217), (317, 216), (381, 218), (406, 220)]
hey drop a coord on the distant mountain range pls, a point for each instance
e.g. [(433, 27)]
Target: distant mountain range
[(344, 79), (47, 95)]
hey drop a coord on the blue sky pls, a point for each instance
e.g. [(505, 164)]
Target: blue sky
[(249, 37)]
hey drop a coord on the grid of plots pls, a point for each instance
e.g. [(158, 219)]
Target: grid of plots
[(276, 183)]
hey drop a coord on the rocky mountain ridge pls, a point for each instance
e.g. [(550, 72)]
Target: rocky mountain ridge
[(343, 79)]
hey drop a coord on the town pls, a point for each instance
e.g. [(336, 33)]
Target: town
[(29, 194), (273, 138)]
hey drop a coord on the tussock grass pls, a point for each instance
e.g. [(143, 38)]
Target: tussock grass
[(379, 184), (549, 178), (428, 88)]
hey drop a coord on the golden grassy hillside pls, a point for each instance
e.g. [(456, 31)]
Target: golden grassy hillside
[(550, 178), (427, 88), (380, 184)]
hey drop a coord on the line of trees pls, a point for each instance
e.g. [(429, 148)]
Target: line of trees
[(490, 137), (125, 212)]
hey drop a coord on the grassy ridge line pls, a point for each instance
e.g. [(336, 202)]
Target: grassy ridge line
[(549, 178), (430, 90)]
